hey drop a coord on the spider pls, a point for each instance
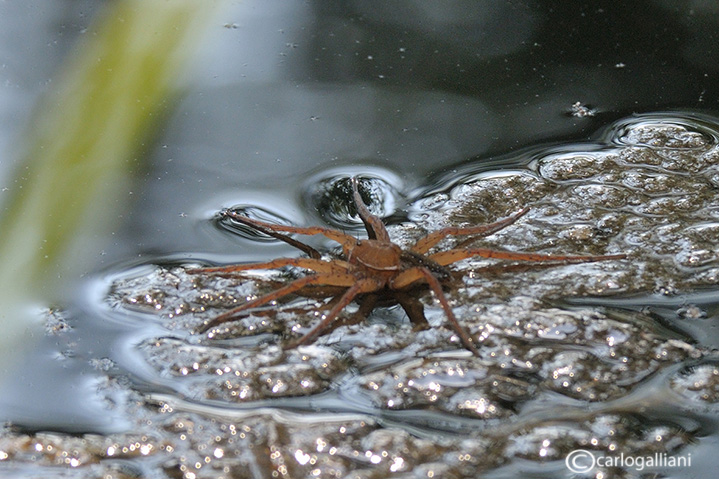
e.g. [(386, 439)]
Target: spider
[(375, 268)]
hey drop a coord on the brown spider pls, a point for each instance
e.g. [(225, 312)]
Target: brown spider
[(376, 267)]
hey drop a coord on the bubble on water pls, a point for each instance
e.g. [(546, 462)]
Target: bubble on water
[(691, 311), (664, 131)]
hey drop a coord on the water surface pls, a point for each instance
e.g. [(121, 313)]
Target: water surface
[(444, 109)]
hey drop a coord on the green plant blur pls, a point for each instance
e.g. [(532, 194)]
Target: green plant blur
[(71, 187)]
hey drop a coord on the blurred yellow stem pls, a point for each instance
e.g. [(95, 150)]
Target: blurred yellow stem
[(80, 148)]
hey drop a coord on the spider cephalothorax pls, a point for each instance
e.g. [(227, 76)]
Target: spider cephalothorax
[(376, 267)]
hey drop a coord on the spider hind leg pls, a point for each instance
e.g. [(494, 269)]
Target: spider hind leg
[(335, 279)]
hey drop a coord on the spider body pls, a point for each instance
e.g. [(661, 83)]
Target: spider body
[(376, 257), (376, 268)]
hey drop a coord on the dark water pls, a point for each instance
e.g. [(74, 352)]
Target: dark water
[(287, 94), (288, 97)]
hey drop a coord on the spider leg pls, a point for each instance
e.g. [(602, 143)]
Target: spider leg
[(453, 255), (426, 242), (413, 308), (307, 249), (312, 264), (374, 226), (347, 241), (335, 279), (501, 268), (366, 305), (417, 259), (366, 285), (413, 275)]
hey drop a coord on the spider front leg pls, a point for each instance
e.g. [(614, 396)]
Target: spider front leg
[(254, 224), (347, 241), (374, 226)]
